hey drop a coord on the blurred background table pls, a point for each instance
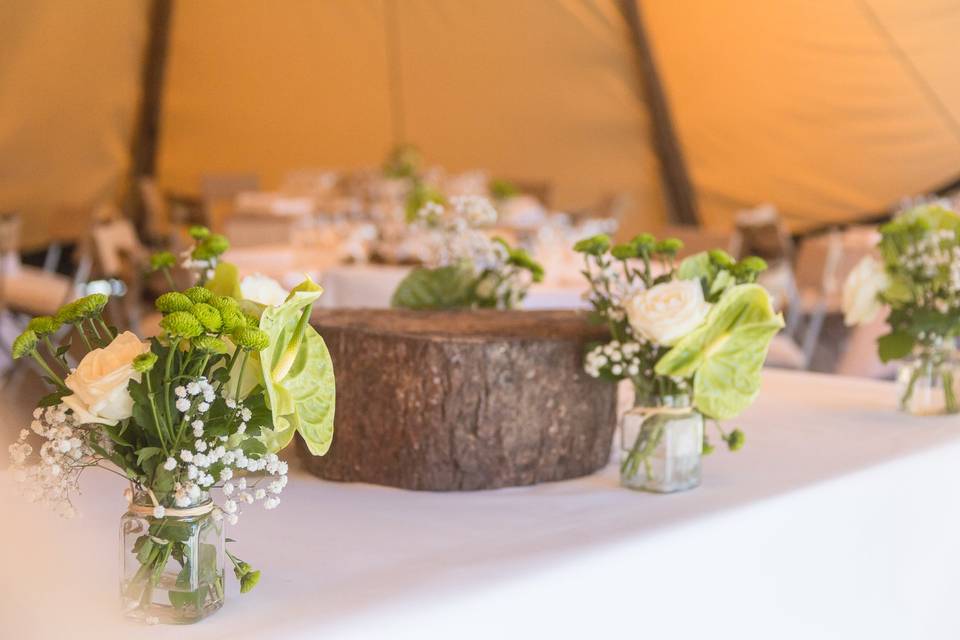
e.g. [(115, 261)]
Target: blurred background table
[(839, 519)]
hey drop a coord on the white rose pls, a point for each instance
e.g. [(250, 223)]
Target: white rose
[(99, 383), (861, 291), (263, 289), (667, 312)]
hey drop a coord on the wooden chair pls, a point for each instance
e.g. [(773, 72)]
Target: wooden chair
[(120, 261), (25, 291)]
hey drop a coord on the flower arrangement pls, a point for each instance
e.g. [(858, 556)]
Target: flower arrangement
[(192, 419), (691, 337), (918, 280), (467, 268)]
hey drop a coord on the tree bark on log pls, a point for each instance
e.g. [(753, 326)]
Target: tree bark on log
[(463, 400)]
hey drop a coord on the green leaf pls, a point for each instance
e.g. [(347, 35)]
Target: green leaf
[(696, 266), (441, 288), (895, 346), (145, 453), (899, 290), (52, 399), (62, 349)]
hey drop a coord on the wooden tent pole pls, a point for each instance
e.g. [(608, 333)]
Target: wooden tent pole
[(143, 157), (680, 194)]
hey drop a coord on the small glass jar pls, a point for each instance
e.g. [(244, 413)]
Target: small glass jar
[(928, 382), (661, 443), (172, 567)]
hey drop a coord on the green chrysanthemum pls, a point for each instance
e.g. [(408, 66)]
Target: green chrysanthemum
[(251, 320), (24, 344), (162, 260), (249, 581), (198, 232), (232, 319), (68, 314), (212, 246), (669, 246), (173, 301), (595, 246), (144, 362), (222, 303), (44, 325), (198, 294), (208, 316), (736, 440), (182, 324), (209, 344), (250, 338), (91, 305)]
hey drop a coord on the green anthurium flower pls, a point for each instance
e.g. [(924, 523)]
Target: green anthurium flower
[(297, 375), (225, 281), (725, 355)]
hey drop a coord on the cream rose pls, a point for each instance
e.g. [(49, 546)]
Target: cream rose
[(861, 292), (263, 289), (667, 312), (99, 383)]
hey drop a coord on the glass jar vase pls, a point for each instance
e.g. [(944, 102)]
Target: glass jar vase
[(172, 568), (928, 382), (661, 443)]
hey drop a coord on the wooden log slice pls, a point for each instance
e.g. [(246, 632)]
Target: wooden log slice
[(463, 400)]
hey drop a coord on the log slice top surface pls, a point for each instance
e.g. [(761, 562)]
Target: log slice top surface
[(464, 325)]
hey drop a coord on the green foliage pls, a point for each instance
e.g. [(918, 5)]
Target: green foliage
[(501, 189), (718, 271), (440, 288), (420, 194), (920, 249), (403, 161), (895, 345)]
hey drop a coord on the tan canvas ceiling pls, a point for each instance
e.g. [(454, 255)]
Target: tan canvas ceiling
[(830, 110), (528, 90), (69, 83)]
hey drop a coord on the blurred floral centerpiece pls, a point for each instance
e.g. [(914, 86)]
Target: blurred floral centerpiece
[(691, 337), (918, 280), (192, 420), (466, 268)]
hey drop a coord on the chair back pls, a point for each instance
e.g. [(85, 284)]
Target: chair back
[(155, 207), (117, 248), (10, 224), (761, 232)]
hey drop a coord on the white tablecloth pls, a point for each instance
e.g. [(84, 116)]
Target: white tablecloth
[(839, 519), (372, 286)]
